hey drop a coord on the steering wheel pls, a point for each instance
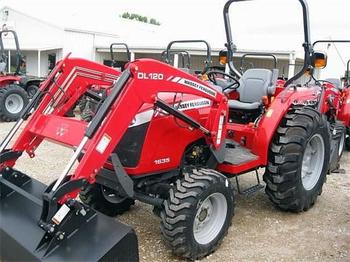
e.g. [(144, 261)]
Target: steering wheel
[(212, 75)]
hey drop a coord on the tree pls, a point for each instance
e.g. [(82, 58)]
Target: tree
[(140, 18), (126, 15)]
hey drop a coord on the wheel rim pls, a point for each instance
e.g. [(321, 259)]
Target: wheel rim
[(111, 195), (313, 161), (341, 145), (210, 218), (14, 103)]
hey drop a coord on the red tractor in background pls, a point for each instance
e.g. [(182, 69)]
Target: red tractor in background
[(346, 104), (88, 105), (170, 52), (336, 105), (166, 138), (118, 64), (15, 89)]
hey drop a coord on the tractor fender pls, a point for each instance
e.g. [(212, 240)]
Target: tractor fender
[(28, 81), (270, 121), (7, 80)]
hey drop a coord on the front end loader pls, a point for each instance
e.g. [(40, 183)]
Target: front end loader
[(40, 222), (55, 221)]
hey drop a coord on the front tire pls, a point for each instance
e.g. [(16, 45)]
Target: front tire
[(31, 90), (13, 99), (198, 213), (105, 200), (298, 160)]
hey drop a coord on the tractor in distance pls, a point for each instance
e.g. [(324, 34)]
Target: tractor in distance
[(166, 138), (336, 107), (346, 102), (15, 88), (114, 62)]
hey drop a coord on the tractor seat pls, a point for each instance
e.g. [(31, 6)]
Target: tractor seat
[(254, 84), (3, 66), (336, 82)]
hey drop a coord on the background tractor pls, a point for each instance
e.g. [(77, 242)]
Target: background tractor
[(166, 138), (346, 104), (336, 107), (15, 89)]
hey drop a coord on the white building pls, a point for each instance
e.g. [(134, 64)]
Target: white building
[(44, 43)]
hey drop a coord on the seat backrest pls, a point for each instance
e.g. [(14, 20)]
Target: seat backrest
[(3, 67), (256, 83), (336, 82)]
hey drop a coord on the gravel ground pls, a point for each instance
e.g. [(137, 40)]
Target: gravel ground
[(259, 232)]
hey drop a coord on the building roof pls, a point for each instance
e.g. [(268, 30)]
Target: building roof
[(137, 35)]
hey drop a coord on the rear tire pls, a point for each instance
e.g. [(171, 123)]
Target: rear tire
[(296, 172), (13, 99), (95, 196), (342, 141), (198, 213), (347, 140)]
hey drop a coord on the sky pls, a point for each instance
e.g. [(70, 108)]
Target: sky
[(259, 24)]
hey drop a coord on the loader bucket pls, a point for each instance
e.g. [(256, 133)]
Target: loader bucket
[(99, 239)]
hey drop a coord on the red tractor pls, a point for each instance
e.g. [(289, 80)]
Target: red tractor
[(15, 89), (336, 106), (88, 104), (345, 111), (166, 138), (118, 64)]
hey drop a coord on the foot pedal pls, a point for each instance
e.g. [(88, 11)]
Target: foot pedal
[(251, 190)]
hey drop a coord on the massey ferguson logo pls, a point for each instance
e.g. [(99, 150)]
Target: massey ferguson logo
[(62, 130), (194, 104), (193, 85), (305, 102), (199, 87)]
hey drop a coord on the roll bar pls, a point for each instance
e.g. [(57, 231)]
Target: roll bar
[(261, 55), (120, 44), (18, 50), (182, 53), (208, 60), (330, 41), (231, 48)]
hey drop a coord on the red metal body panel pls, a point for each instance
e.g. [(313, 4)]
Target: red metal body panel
[(8, 79), (162, 139), (344, 110), (333, 93)]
